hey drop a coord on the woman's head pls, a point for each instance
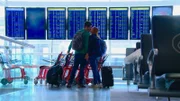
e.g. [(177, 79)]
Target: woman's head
[(94, 30)]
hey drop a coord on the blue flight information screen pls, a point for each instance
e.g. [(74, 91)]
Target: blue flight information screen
[(140, 22), (36, 24), (98, 18), (118, 21), (15, 21), (76, 20), (56, 23), (162, 10)]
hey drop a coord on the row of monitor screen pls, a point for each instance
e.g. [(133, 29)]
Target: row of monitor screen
[(56, 21)]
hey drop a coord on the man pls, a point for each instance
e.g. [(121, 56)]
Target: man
[(80, 56)]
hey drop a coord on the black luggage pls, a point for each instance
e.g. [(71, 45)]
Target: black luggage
[(107, 76), (54, 75)]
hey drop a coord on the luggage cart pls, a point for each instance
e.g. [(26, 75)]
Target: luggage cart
[(44, 69), (7, 68)]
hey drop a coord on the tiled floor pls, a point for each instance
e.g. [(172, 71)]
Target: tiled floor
[(46, 93), (30, 92)]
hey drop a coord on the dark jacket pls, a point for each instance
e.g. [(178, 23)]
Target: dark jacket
[(93, 45)]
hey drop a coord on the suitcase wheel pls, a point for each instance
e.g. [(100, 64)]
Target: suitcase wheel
[(105, 86)]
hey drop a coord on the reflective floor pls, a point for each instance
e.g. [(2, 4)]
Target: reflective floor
[(120, 92)]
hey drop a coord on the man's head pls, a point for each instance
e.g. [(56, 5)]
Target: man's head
[(87, 25)]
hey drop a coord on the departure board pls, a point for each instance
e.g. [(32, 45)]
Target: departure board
[(76, 20), (140, 22), (36, 24), (162, 10), (56, 22), (98, 17), (118, 21), (15, 21)]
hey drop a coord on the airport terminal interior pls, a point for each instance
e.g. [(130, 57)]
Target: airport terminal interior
[(35, 35)]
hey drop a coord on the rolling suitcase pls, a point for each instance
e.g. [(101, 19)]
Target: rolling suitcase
[(107, 76), (54, 75)]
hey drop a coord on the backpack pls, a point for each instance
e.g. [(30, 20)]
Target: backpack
[(102, 47), (77, 42)]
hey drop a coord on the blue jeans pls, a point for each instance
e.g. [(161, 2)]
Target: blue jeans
[(94, 65), (79, 59)]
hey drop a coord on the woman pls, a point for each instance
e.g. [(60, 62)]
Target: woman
[(93, 56)]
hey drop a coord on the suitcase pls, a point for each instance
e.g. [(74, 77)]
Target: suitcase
[(107, 76), (54, 75)]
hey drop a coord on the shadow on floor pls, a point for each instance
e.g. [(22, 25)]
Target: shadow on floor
[(135, 96), (9, 90)]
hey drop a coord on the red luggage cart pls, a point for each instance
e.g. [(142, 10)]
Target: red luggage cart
[(67, 68), (88, 68), (44, 69), (7, 71)]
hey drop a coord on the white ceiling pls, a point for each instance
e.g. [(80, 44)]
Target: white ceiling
[(88, 3), (59, 0)]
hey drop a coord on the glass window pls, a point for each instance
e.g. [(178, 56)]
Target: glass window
[(2, 12), (62, 0), (176, 10)]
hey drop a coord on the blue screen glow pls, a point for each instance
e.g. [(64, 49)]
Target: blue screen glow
[(15, 21), (162, 10), (98, 18), (76, 19), (56, 23), (36, 24), (118, 23), (140, 22)]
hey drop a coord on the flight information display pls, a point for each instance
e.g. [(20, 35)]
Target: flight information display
[(76, 20), (98, 18), (162, 10), (36, 24), (140, 22), (56, 23), (15, 21), (118, 21)]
